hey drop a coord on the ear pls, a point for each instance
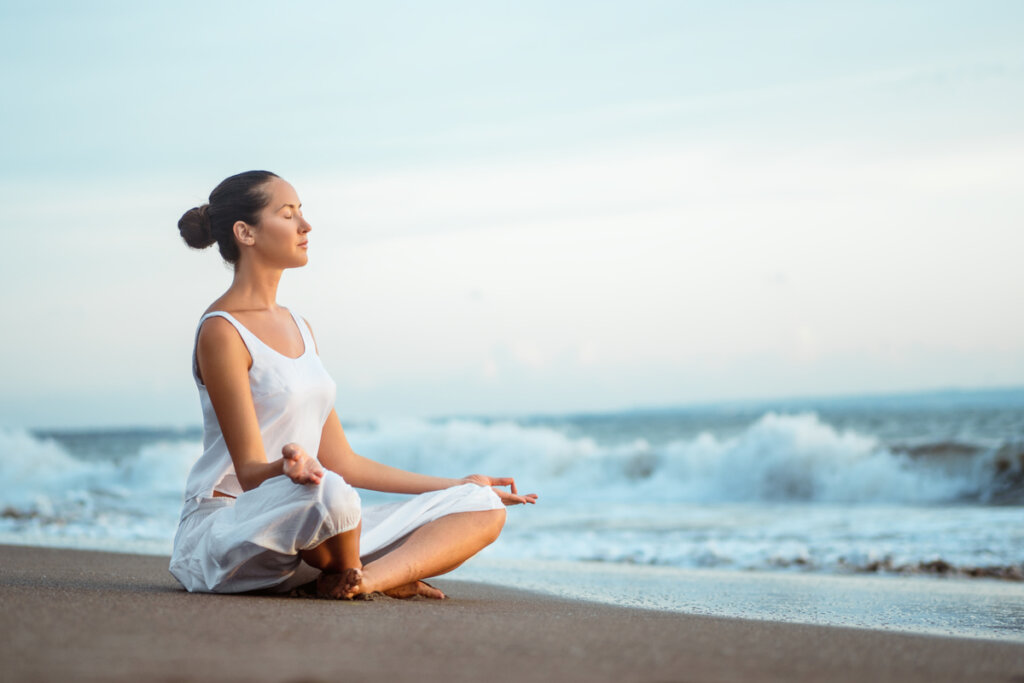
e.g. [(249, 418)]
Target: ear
[(244, 233)]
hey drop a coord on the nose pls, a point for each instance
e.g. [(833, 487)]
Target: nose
[(304, 226)]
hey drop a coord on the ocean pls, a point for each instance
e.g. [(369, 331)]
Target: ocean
[(922, 484)]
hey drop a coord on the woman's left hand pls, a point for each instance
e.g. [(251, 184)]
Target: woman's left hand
[(507, 498)]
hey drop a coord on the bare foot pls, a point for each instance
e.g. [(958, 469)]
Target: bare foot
[(411, 590), (343, 585)]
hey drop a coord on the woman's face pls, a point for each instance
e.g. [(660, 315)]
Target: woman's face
[(282, 237)]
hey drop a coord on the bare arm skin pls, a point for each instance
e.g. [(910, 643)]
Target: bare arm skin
[(224, 363), (337, 455)]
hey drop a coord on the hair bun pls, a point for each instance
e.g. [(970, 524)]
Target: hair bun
[(194, 227)]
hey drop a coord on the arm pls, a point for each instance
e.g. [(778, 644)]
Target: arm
[(224, 363), (337, 455)]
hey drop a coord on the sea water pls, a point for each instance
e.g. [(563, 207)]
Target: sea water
[(987, 609), (922, 485), (929, 485)]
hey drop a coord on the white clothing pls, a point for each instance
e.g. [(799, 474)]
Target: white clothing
[(292, 396), (252, 541)]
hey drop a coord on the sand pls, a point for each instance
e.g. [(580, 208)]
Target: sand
[(81, 616)]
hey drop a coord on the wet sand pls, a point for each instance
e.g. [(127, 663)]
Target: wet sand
[(85, 616)]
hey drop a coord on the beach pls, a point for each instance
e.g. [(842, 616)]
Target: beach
[(87, 615)]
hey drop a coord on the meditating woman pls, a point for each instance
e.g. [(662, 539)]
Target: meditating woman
[(275, 485)]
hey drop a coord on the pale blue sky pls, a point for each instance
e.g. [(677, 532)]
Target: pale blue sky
[(521, 207)]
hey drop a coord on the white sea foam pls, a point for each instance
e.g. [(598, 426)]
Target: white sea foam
[(778, 458), (786, 491), (45, 492)]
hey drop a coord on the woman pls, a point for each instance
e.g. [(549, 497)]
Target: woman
[(257, 502)]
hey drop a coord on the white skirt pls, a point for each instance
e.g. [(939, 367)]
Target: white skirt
[(232, 545)]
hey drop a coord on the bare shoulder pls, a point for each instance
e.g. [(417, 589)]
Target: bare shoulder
[(217, 330), (220, 342)]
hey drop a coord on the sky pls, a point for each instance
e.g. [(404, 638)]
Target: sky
[(526, 207)]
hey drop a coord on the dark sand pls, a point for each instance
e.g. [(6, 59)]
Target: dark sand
[(81, 616)]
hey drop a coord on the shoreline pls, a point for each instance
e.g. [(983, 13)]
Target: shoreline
[(91, 615), (957, 606), (988, 609)]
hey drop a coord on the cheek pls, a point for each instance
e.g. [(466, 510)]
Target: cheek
[(278, 232)]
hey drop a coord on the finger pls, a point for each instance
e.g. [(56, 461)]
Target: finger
[(529, 498), (504, 481), (511, 499)]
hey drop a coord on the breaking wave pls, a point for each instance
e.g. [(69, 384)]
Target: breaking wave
[(777, 458), (785, 492)]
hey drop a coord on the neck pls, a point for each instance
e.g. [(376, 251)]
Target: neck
[(255, 287)]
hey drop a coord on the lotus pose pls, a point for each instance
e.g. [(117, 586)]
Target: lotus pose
[(276, 483)]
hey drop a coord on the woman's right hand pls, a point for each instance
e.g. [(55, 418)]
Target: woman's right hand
[(299, 466)]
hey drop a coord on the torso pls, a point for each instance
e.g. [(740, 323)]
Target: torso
[(292, 393)]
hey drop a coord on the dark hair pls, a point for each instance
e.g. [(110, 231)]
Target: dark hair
[(238, 198)]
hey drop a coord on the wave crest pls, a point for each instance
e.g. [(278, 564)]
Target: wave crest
[(780, 457)]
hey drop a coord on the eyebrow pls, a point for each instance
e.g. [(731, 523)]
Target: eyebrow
[(294, 206)]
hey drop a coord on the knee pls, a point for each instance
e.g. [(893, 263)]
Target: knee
[(341, 501), (494, 522)]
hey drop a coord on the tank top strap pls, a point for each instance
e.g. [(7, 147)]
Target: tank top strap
[(250, 340), (308, 346)]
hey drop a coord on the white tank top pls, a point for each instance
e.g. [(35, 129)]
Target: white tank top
[(293, 397)]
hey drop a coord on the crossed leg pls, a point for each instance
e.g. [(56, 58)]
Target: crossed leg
[(433, 549), (338, 558)]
